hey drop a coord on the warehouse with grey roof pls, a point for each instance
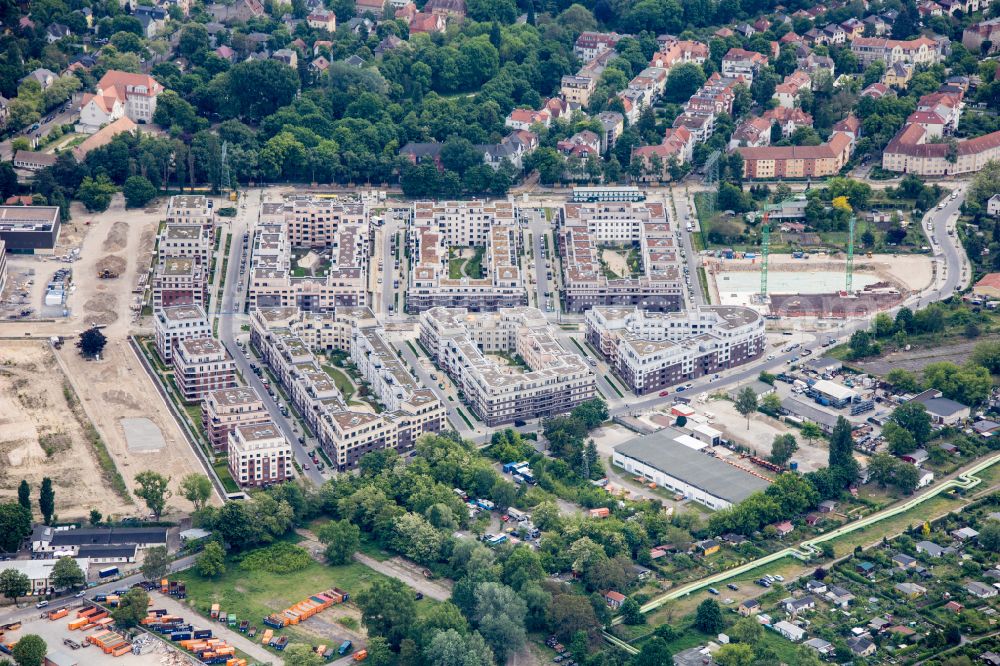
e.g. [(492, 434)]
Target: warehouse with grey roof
[(663, 459)]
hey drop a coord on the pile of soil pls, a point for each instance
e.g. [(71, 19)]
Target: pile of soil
[(113, 263), (101, 309), (117, 237)]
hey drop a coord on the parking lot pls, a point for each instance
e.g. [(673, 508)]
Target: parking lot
[(54, 632)]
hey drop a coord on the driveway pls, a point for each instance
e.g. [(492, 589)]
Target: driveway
[(409, 573)]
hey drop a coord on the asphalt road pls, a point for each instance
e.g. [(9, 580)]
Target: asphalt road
[(230, 316), (692, 260), (61, 118)]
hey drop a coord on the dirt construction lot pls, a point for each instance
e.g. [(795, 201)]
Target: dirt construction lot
[(116, 387), (39, 435)]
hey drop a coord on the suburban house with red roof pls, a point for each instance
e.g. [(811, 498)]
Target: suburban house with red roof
[(119, 94)]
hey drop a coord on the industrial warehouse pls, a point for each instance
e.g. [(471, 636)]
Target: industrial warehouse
[(664, 459)]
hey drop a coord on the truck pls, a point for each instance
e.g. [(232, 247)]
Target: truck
[(344, 648), (519, 516)]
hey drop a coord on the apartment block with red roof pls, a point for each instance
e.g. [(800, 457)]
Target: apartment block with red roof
[(740, 62), (826, 159), (119, 94)]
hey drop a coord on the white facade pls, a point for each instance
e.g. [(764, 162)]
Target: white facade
[(259, 455), (173, 324)]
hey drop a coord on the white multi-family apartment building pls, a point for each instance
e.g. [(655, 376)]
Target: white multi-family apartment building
[(554, 381), (191, 209), (176, 323), (192, 241), (651, 351), (259, 455), (489, 231), (202, 365)]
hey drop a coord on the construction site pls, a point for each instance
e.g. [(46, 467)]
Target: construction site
[(817, 286)]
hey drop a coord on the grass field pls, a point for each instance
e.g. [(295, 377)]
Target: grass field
[(253, 595), (341, 380)]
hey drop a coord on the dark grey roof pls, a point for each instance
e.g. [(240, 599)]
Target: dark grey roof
[(943, 406), (432, 149), (96, 551), (109, 536), (697, 469), (808, 412)]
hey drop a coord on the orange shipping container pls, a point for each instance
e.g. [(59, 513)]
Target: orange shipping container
[(56, 614), (87, 612), (267, 636), (125, 649), (77, 623)]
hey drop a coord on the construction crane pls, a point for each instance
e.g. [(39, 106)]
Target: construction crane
[(850, 255), (226, 179), (765, 252)]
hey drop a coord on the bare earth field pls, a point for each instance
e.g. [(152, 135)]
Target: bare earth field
[(917, 359), (39, 435), (116, 387)]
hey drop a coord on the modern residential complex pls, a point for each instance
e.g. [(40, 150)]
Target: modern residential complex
[(259, 455), (346, 430), (175, 323), (310, 254), (553, 380), (202, 365), (638, 229), (487, 234), (30, 229), (650, 351), (225, 409)]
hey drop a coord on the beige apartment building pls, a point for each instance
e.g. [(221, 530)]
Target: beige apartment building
[(334, 274), (586, 228), (225, 409), (179, 281), (202, 365), (345, 432), (554, 381), (259, 455)]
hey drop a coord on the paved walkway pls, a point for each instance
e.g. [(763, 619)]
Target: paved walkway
[(405, 572)]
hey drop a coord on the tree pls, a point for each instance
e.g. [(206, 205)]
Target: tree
[(654, 652), (301, 654), (341, 538), (131, 608), (155, 563), (91, 342), (258, 88), (771, 404), (153, 490), (903, 380), (485, 11), (747, 630), (197, 489), (452, 648), (906, 477), (47, 500), (989, 536), (913, 417), (746, 403), (842, 452), (15, 525), (500, 614), (24, 495), (682, 82), (709, 617), (783, 447), (900, 440), (631, 613), (734, 654), (387, 609), (95, 193), (95, 517), (379, 652), (67, 574), (29, 650), (811, 431), (138, 191), (14, 584), (212, 560)]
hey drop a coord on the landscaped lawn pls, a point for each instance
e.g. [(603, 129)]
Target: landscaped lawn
[(342, 381)]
